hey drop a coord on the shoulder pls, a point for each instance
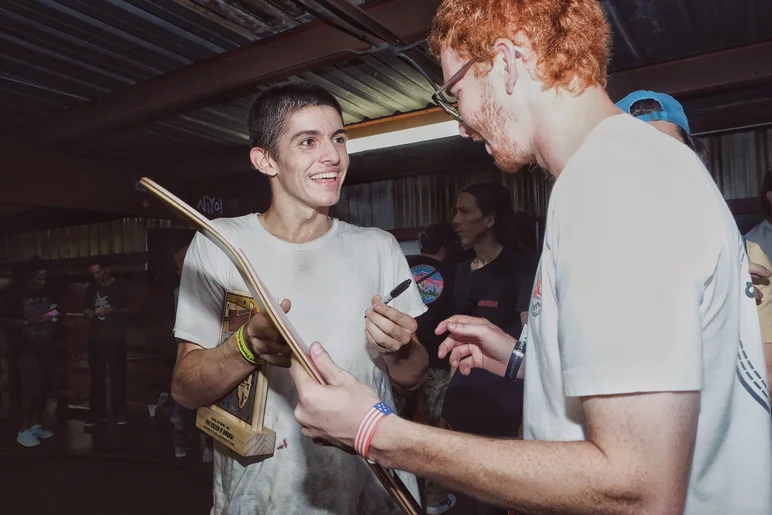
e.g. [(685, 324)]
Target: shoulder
[(235, 226), (625, 149), (757, 231), (232, 229), (629, 176), (368, 235)]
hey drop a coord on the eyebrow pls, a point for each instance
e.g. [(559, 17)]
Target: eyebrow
[(317, 133)]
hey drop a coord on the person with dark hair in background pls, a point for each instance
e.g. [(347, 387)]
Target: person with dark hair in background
[(434, 273), (107, 302), (494, 285), (36, 319), (332, 273)]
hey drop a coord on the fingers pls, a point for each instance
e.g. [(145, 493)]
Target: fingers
[(470, 330), (466, 357), (286, 305), (272, 347), (380, 340), (301, 378), (448, 344), (758, 271), (459, 319), (278, 361), (397, 317), (332, 373), (261, 327)]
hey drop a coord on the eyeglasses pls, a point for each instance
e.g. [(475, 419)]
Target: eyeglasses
[(439, 97)]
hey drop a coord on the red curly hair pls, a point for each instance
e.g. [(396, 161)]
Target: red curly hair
[(570, 38)]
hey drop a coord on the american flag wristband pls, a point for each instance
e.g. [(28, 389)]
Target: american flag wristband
[(367, 428)]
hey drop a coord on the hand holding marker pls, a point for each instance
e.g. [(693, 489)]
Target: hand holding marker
[(396, 292)]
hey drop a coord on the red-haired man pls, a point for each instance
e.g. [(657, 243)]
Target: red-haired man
[(653, 402)]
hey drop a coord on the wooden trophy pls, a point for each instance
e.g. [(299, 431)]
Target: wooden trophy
[(236, 420)]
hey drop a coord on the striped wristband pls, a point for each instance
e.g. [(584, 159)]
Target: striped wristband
[(367, 428)]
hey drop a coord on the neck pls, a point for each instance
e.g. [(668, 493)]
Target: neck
[(565, 121), (290, 221), (486, 251)]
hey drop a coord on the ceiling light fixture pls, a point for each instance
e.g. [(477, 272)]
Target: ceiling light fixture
[(403, 137)]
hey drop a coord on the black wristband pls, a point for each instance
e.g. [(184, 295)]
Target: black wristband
[(515, 360)]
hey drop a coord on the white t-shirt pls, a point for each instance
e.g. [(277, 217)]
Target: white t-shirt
[(643, 286), (330, 281), (761, 235)]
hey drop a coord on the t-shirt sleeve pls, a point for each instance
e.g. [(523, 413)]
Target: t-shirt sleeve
[(410, 302), (201, 294), (629, 278), (756, 255)]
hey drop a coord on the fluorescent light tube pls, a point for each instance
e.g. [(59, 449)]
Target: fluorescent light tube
[(403, 137)]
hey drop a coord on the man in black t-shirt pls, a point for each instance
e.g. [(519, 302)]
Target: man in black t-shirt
[(35, 323), (107, 305), (496, 285), (433, 273)]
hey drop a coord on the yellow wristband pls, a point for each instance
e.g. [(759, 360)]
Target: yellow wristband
[(246, 353)]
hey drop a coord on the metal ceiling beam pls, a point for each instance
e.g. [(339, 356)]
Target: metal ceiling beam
[(729, 68), (39, 178), (732, 117), (290, 53)]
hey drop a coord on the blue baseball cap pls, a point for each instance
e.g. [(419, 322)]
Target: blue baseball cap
[(672, 111)]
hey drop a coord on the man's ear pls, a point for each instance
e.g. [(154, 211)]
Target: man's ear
[(514, 53), (490, 221), (509, 54), (263, 162)]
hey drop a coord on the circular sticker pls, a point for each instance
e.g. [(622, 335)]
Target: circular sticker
[(430, 282)]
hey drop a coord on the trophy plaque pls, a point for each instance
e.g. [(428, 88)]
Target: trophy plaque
[(236, 420)]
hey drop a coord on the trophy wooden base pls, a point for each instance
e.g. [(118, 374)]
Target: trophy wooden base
[(235, 434)]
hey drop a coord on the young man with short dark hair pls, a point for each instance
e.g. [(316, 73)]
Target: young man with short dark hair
[(333, 273), (653, 402)]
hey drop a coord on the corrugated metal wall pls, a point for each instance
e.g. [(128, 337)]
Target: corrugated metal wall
[(99, 239), (739, 162)]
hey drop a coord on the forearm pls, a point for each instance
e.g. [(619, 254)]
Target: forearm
[(562, 477), (408, 366), (202, 376)]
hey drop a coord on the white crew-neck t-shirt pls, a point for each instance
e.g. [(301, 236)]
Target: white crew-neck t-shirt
[(330, 281), (643, 286)]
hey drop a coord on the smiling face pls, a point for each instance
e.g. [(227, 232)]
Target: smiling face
[(494, 107), (311, 159)]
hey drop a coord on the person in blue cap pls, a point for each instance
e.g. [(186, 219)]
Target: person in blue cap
[(666, 114)]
